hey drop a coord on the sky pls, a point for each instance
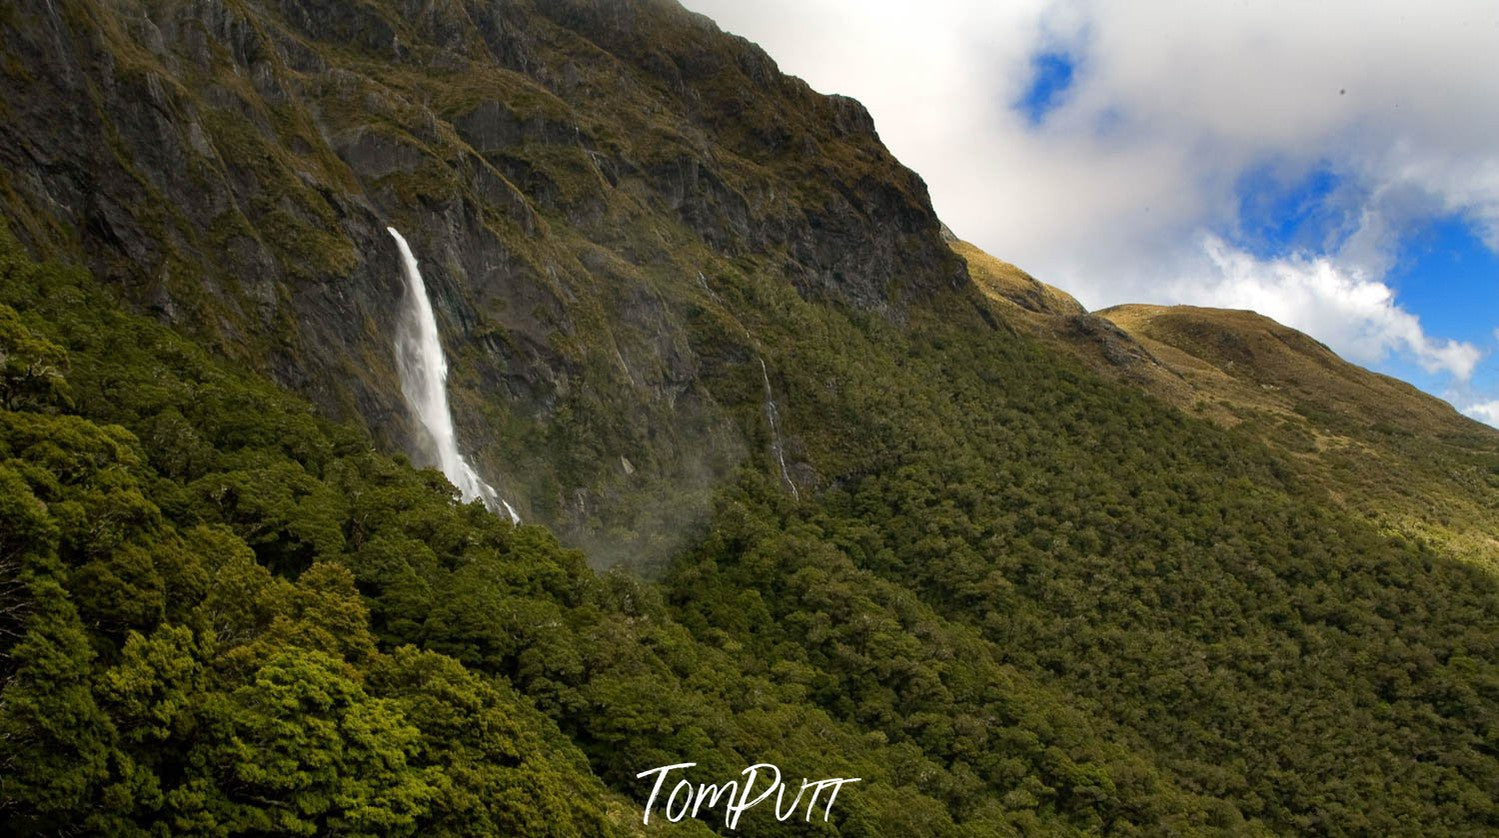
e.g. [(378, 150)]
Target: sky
[(1333, 165)]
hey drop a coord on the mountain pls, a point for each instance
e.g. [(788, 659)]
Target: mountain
[(1398, 455), (801, 479), (583, 183), (1377, 445)]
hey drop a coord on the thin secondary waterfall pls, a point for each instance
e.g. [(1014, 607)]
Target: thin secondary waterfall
[(774, 416), (424, 382), (772, 413)]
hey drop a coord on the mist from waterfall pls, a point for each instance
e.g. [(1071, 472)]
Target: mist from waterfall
[(424, 378)]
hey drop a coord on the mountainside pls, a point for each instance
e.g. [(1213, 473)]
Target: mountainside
[(1250, 361), (1393, 452), (1378, 445), (878, 504), (594, 191)]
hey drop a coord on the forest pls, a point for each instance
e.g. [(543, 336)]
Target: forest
[(1044, 604), (799, 485)]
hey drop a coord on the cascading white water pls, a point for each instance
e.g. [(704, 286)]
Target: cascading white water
[(774, 416), (424, 382)]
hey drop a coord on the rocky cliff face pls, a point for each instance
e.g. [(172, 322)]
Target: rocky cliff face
[(598, 213)]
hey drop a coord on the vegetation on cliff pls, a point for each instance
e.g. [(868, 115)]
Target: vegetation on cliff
[(1013, 589), (1043, 602)]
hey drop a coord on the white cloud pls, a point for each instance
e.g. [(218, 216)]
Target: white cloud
[(1487, 412), (1114, 194)]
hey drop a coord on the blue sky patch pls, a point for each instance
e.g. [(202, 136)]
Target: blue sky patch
[(1052, 73), (1448, 277), (1445, 275), (1280, 211)]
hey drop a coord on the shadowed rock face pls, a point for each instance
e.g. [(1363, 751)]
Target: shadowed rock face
[(565, 173)]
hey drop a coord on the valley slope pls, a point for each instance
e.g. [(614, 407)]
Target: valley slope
[(1377, 445), (873, 503)]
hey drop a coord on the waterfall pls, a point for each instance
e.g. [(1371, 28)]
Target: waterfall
[(424, 383), (772, 412), (774, 416)]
